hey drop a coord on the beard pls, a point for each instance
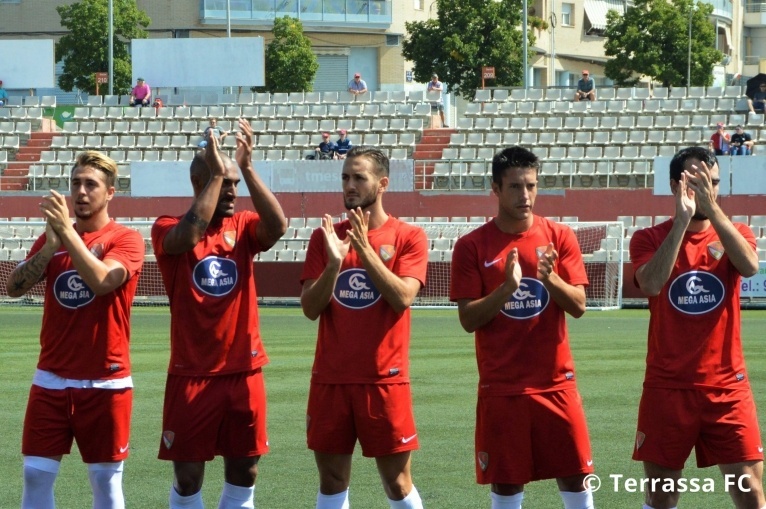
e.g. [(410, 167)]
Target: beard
[(364, 202), (699, 216), (87, 214)]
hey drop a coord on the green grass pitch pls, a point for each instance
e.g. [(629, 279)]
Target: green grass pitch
[(609, 350)]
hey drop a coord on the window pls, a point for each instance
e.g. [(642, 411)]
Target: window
[(567, 19), (420, 4)]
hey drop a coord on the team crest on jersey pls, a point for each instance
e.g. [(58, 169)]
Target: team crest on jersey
[(716, 249), (354, 289), (540, 251), (230, 238), (386, 252), (696, 292), (529, 300), (167, 438), (97, 250), (215, 276), (483, 459), (640, 437), (71, 291)]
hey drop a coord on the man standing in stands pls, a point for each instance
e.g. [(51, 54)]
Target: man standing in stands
[(435, 90), (343, 145), (514, 279), (141, 95), (696, 390), (360, 279), (357, 86), (82, 389), (215, 399), (586, 88)]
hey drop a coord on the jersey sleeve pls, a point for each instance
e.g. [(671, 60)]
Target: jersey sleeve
[(127, 249), (465, 279), (571, 266), (414, 260), (314, 264), (642, 248), (160, 229)]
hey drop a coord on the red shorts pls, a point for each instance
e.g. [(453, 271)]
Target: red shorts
[(379, 416), (99, 419), (205, 416), (529, 437), (720, 424)]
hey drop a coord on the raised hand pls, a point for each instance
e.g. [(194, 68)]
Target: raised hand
[(513, 269), (213, 157), (336, 249), (546, 263), (56, 212), (359, 226), (701, 183), (685, 204), (244, 153)]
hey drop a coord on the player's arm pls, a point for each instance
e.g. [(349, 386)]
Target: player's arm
[(273, 222), (29, 272), (316, 293), (570, 298), (399, 292), (190, 230), (475, 313)]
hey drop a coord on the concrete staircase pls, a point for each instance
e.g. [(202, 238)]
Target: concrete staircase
[(16, 174), (430, 147)]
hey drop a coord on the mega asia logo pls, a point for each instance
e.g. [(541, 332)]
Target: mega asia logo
[(529, 300), (696, 292), (355, 290), (71, 291), (215, 276)]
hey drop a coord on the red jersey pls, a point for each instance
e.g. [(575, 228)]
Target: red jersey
[(85, 336), (525, 348), (214, 327), (694, 328), (362, 339)]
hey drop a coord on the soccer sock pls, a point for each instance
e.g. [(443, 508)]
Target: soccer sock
[(106, 483), (39, 476), (411, 501), (190, 502), (507, 502), (236, 497), (337, 501), (577, 499)]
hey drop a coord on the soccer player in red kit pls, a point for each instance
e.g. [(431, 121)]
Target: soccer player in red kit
[(215, 400), (514, 279), (696, 391), (82, 389), (360, 278)]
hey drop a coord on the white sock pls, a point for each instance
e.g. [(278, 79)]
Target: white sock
[(236, 497), (190, 502), (39, 476), (106, 483), (577, 499), (507, 502), (411, 501), (337, 501)]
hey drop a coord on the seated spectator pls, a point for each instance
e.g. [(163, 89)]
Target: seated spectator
[(213, 130), (741, 143), (758, 102), (719, 142), (343, 144), (157, 105), (326, 149), (357, 86), (3, 95), (141, 95), (586, 88)]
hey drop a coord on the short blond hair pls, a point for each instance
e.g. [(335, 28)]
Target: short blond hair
[(100, 162)]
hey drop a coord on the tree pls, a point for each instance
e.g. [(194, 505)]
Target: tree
[(652, 39), (290, 63), (467, 35), (85, 49)]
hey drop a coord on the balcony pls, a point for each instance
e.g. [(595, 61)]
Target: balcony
[(367, 14), (755, 14), (722, 9)]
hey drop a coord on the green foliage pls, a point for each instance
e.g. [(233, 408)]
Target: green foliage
[(85, 48), (652, 39), (467, 35), (290, 63)]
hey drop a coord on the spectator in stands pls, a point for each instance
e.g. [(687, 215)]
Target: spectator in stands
[(586, 88), (696, 391), (213, 130), (343, 145), (741, 143), (719, 142), (514, 280), (360, 278), (436, 86), (3, 94), (215, 400), (82, 389), (141, 95), (327, 149), (758, 102), (357, 86)]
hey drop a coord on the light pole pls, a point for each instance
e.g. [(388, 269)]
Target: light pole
[(524, 43), (111, 48), (689, 60)]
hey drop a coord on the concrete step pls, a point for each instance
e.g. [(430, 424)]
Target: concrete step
[(426, 154), (37, 135), (31, 157), (42, 143), (16, 172), (439, 132), (18, 165), (13, 184)]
